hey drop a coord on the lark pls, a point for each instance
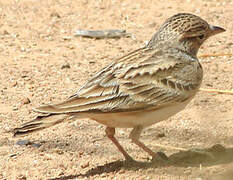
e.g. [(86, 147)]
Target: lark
[(140, 89)]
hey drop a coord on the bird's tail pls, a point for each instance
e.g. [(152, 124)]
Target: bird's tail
[(40, 122)]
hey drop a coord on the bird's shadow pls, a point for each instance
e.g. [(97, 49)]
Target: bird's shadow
[(214, 155)]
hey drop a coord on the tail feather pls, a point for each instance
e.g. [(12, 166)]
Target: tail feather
[(39, 123)]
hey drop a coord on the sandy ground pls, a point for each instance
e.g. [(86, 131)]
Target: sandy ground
[(42, 62)]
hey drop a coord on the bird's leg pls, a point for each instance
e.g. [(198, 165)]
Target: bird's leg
[(134, 136), (110, 132)]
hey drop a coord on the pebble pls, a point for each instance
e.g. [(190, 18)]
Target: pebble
[(160, 135), (14, 84), (36, 145), (55, 14), (26, 100), (23, 142), (65, 66), (107, 33), (13, 155), (85, 165), (22, 177), (67, 38), (15, 108), (92, 62), (26, 143)]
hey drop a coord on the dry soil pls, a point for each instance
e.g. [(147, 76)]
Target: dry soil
[(42, 62)]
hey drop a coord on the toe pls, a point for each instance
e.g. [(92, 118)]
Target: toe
[(160, 156)]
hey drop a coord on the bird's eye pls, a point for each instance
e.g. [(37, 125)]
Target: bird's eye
[(201, 36)]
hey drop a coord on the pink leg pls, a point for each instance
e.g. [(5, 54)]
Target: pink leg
[(110, 132), (134, 136)]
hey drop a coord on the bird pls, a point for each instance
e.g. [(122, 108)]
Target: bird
[(139, 89)]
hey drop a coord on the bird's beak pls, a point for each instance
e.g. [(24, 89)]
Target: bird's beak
[(216, 30)]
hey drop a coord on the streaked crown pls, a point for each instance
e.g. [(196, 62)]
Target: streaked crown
[(184, 26)]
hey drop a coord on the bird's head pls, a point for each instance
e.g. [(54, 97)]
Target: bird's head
[(185, 31)]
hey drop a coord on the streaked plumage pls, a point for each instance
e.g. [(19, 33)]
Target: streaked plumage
[(141, 88)]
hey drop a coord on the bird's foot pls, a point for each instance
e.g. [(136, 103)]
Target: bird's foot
[(160, 157)]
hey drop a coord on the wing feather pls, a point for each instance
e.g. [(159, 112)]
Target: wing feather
[(143, 79)]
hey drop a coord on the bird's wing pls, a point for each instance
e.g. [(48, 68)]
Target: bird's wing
[(146, 78)]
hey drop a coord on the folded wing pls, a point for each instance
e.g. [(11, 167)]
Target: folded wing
[(140, 80)]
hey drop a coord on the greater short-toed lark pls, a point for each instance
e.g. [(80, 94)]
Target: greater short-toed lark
[(141, 88)]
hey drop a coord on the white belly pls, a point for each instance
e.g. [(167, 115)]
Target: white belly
[(142, 118)]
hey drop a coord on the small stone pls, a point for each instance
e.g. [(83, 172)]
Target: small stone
[(36, 145), (14, 84), (91, 62), (13, 155), (5, 32), (58, 151), (23, 49), (160, 135), (55, 14), (26, 143), (67, 38), (26, 100), (85, 165), (22, 177), (24, 76), (65, 66), (23, 142), (208, 84), (81, 153), (15, 108)]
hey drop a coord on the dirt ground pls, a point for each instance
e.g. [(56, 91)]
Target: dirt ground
[(42, 62)]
